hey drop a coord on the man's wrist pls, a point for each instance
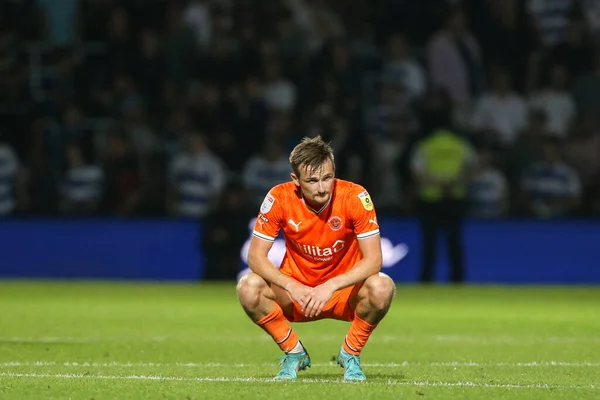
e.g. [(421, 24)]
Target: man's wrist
[(288, 286), (332, 284)]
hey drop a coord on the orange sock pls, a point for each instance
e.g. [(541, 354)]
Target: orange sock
[(357, 336), (275, 324)]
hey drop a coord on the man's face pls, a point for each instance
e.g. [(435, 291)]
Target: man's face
[(316, 184)]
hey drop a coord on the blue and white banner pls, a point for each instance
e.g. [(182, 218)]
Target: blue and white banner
[(528, 252)]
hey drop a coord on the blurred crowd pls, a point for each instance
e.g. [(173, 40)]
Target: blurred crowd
[(190, 108)]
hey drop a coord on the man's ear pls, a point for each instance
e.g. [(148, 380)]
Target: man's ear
[(295, 179)]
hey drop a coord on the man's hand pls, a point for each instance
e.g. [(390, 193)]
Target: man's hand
[(298, 292), (313, 302)]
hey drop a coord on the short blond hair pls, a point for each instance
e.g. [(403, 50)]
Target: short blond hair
[(312, 153)]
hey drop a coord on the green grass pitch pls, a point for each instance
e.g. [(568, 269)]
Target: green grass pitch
[(99, 340)]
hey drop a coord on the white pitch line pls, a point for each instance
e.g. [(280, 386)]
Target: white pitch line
[(472, 339), (262, 380), (531, 364)]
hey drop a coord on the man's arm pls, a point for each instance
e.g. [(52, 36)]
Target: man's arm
[(259, 263), (369, 265)]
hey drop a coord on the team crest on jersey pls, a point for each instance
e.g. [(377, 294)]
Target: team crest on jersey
[(365, 199), (267, 203), (335, 223)]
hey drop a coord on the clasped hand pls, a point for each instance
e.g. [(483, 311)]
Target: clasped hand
[(312, 300)]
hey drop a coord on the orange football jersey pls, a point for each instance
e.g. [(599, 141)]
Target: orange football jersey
[(320, 244)]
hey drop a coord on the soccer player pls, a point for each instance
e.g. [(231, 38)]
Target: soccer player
[(332, 264)]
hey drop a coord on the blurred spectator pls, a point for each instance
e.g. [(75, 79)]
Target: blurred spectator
[(265, 170), (317, 20), (386, 155), (291, 40), (279, 92), (345, 70), (122, 177), (488, 188), (586, 89), (455, 62), (12, 180), (391, 105), (582, 153), (61, 20), (556, 102), (508, 37), (590, 10), (73, 124), (441, 164), (551, 188), (181, 48), (225, 231), (82, 183), (550, 18), (403, 70), (219, 64), (196, 178), (42, 182), (527, 148), (139, 130), (362, 41), (121, 42), (576, 52), (150, 67), (500, 113), (197, 15), (362, 75), (151, 198), (353, 158)]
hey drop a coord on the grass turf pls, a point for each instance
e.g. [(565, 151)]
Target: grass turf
[(100, 340)]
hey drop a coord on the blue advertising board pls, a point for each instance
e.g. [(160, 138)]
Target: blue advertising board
[(105, 249), (495, 252)]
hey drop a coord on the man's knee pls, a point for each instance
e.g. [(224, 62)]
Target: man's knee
[(380, 291), (250, 288)]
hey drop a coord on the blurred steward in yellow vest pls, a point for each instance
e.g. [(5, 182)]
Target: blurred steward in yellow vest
[(441, 164)]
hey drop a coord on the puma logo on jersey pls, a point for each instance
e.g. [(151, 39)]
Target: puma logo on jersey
[(295, 225), (374, 221)]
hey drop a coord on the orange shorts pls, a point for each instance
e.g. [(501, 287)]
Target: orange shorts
[(338, 307)]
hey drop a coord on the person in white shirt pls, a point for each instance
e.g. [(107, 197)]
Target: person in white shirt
[(82, 183), (197, 178), (488, 188), (279, 93), (10, 179), (265, 170), (500, 113), (550, 18), (551, 187), (556, 101), (403, 70)]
